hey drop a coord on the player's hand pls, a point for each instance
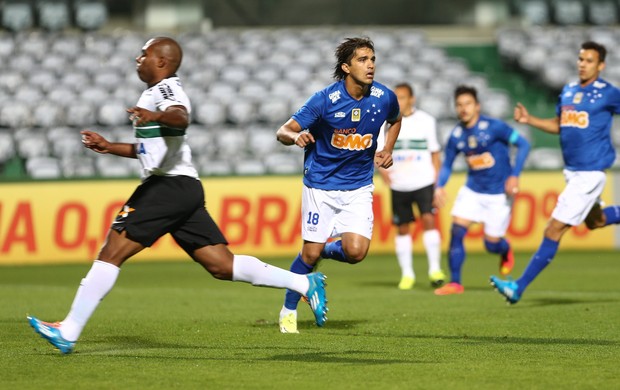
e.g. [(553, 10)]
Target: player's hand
[(383, 159), (94, 141), (439, 197), (303, 139), (520, 114), (512, 186), (140, 116)]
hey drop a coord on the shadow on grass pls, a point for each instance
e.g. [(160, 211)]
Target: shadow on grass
[(346, 357), (512, 340), (566, 301)]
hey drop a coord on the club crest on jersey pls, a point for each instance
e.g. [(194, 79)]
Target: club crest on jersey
[(125, 211), (356, 115), (578, 97), (472, 142)]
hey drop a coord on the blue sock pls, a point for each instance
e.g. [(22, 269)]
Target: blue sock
[(612, 215), (501, 247), (456, 255), (333, 250), (543, 256), (291, 298)]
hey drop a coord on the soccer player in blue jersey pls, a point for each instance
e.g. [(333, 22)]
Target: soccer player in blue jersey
[(338, 129), (492, 182), (583, 122)]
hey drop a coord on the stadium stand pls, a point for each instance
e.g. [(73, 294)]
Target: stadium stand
[(243, 84)]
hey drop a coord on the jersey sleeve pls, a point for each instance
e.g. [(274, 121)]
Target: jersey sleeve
[(381, 136), (433, 141), (450, 154), (614, 100), (169, 93), (503, 131), (394, 108), (311, 111)]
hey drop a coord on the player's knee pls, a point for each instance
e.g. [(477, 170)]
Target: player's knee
[(220, 271), (356, 254)]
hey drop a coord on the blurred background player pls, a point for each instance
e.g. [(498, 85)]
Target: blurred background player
[(170, 199), (491, 184), (343, 122), (584, 116), (412, 180)]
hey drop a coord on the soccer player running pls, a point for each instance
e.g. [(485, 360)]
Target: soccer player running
[(338, 129), (492, 182), (412, 180), (584, 115), (170, 199)]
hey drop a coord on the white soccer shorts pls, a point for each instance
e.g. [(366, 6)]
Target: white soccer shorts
[(492, 210), (583, 189), (328, 214)]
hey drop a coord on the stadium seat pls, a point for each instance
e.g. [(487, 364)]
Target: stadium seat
[(284, 163), (568, 12), (17, 15), (31, 143), (15, 114), (248, 167), (602, 12), (110, 166), (242, 111), (53, 15), (273, 110), (7, 146), (112, 113), (78, 166), (534, 11), (90, 14), (81, 113), (48, 114), (41, 167), (211, 167), (231, 142), (11, 80), (210, 112)]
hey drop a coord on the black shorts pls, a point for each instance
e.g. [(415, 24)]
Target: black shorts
[(402, 204), (172, 204)]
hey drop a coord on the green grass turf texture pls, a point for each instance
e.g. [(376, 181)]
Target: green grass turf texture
[(170, 325)]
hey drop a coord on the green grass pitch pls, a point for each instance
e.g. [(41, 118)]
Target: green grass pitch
[(170, 325)]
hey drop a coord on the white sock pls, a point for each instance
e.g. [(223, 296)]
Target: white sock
[(251, 270), (284, 312), (404, 248), (93, 288), (432, 244)]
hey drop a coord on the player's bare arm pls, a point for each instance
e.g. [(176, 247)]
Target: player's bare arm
[(175, 117), (512, 185), (291, 133), (383, 158), (95, 142), (549, 125), (440, 198)]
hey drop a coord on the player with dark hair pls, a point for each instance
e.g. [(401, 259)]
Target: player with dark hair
[(584, 111), (338, 129), (170, 199), (492, 182), (412, 180)]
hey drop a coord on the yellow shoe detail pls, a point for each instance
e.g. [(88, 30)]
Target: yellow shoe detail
[(406, 283), (288, 323)]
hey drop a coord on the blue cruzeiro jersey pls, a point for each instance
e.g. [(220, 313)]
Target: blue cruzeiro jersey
[(345, 131), (486, 147), (585, 122)]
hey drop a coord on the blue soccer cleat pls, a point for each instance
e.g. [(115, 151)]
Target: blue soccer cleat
[(508, 288), (50, 332), (316, 297)]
